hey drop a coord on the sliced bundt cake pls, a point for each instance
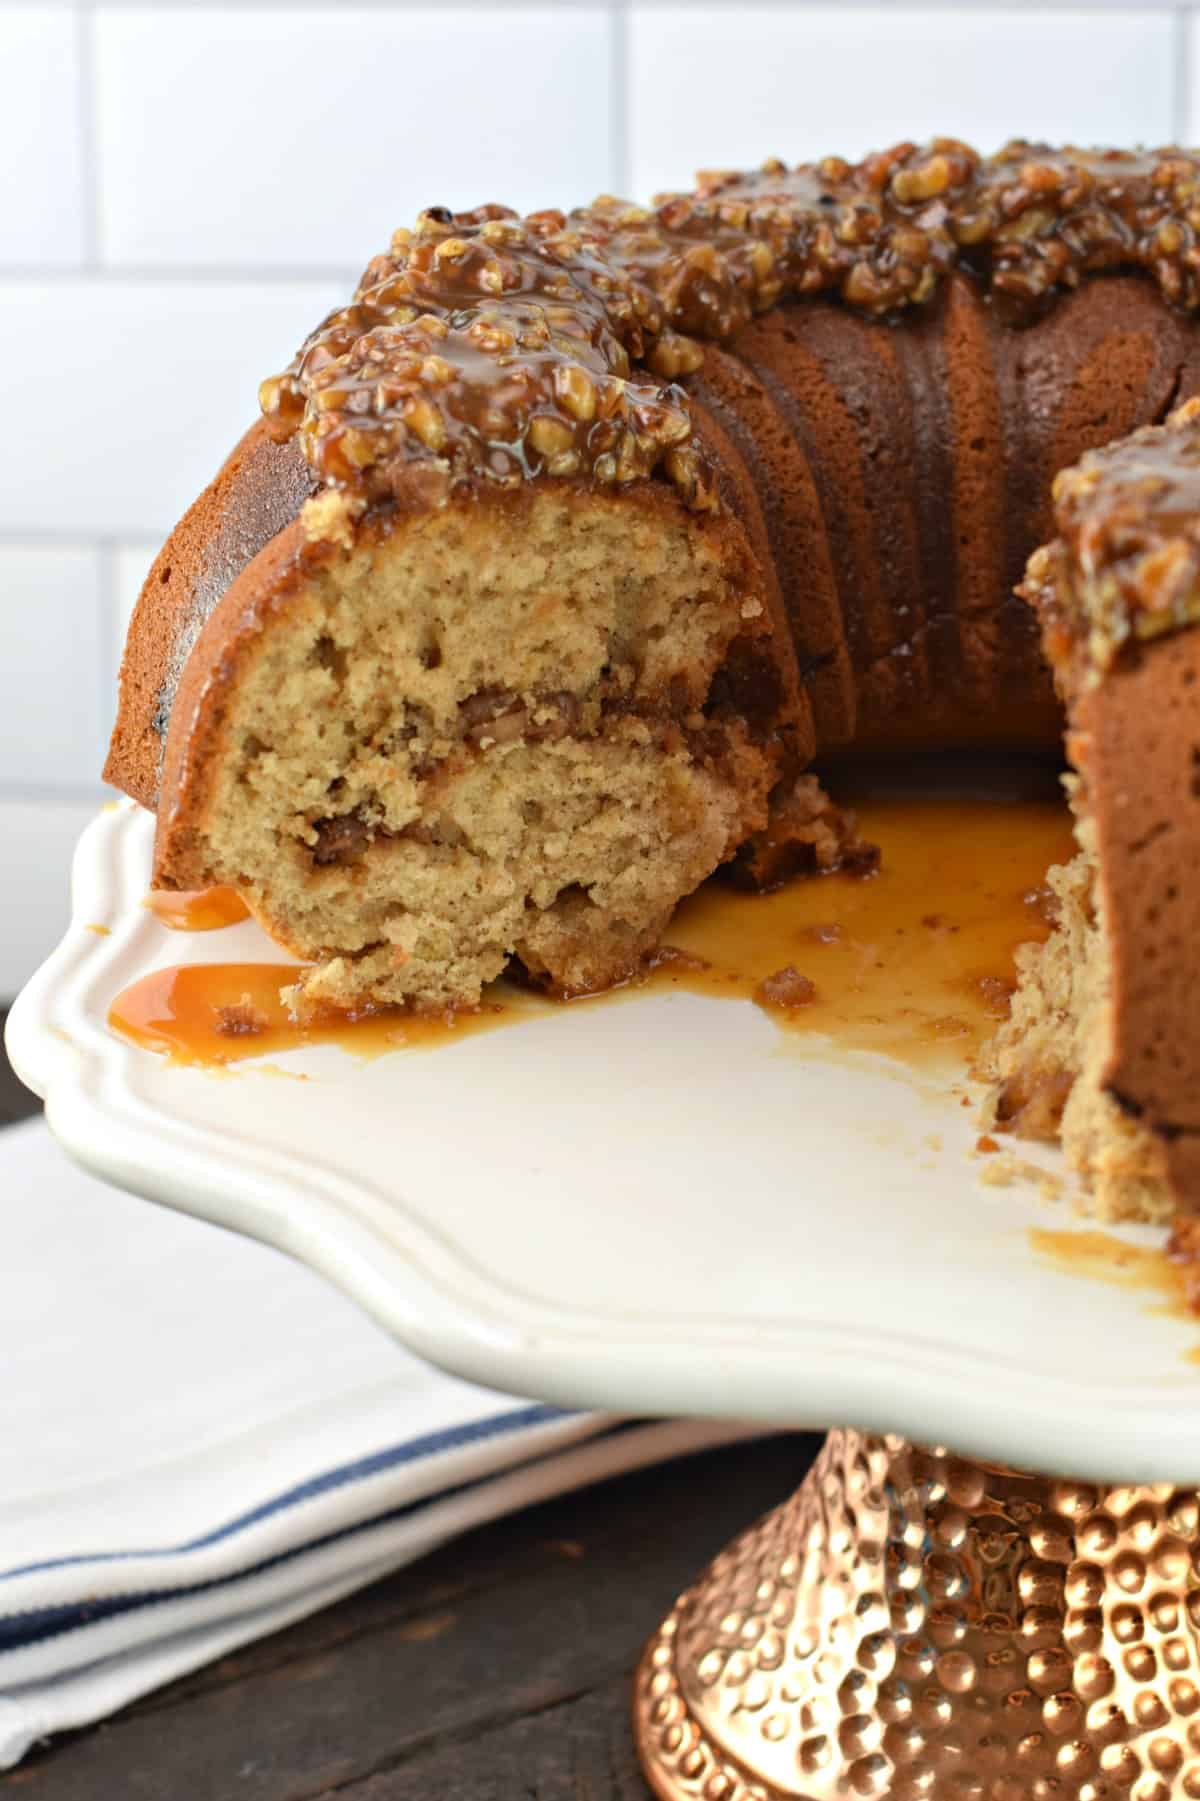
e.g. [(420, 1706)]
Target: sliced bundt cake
[(1103, 1044), (564, 549)]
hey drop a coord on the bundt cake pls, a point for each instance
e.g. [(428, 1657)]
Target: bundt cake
[(562, 551), (1103, 1042)]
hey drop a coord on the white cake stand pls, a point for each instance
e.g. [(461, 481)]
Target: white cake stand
[(663, 1206)]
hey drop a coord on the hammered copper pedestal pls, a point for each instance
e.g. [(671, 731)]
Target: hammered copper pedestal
[(915, 1626)]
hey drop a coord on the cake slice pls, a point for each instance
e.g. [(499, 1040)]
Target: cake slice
[(566, 548), (523, 724), (1101, 1044)]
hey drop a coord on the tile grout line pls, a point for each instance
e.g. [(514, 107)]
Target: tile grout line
[(1182, 73), (36, 538), (1014, 8), (110, 658), (67, 539), (41, 794), (88, 137), (1010, 8), (188, 274), (619, 98)]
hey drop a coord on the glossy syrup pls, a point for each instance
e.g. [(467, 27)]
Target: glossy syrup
[(916, 960), (214, 1014), (1102, 1257), (197, 910)]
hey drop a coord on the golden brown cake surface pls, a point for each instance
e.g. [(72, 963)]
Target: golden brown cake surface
[(639, 509), (1119, 598), (482, 343), (1128, 517)]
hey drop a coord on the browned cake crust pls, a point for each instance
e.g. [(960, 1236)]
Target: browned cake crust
[(846, 389), (853, 435), (767, 692), (257, 493), (1118, 593), (1139, 744), (484, 343)]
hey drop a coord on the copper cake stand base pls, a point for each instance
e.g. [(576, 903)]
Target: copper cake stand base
[(915, 1626)]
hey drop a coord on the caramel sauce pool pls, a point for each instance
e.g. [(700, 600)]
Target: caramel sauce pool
[(1100, 1257), (915, 961), (218, 1013), (197, 910)]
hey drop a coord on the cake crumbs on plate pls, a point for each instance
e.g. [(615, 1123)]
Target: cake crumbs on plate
[(1003, 1168)]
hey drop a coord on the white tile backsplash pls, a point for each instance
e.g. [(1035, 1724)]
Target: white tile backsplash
[(850, 79), (130, 567), (1190, 79), (39, 837), (334, 128), (149, 386), (53, 722), (41, 139), (189, 185)]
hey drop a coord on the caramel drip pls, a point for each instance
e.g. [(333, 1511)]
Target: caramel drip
[(213, 1014), (916, 961), (1126, 565), (482, 345), (1105, 1258), (1102, 1257), (197, 910)]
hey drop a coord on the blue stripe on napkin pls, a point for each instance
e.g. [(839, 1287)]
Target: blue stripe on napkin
[(449, 1438), (35, 1625)]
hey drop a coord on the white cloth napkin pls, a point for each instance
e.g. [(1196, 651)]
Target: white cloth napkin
[(201, 1441)]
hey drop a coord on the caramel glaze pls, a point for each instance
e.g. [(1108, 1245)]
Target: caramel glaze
[(1118, 594), (214, 1014), (484, 344), (1102, 1257), (1125, 567), (197, 910), (915, 961), (890, 476)]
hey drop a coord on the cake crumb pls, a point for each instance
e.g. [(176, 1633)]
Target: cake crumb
[(669, 956), (786, 989), (277, 1069), (996, 992), (1183, 1249), (330, 518), (241, 1020), (937, 922), (1005, 1168)]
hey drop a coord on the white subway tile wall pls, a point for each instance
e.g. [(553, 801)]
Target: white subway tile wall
[(141, 388), (334, 131), (54, 643), (188, 186), (41, 143), (703, 95)]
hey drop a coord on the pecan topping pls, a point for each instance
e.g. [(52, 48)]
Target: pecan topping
[(1126, 564), (343, 839), (483, 346), (786, 990)]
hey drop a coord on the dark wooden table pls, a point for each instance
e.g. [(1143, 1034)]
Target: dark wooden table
[(496, 1669)]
